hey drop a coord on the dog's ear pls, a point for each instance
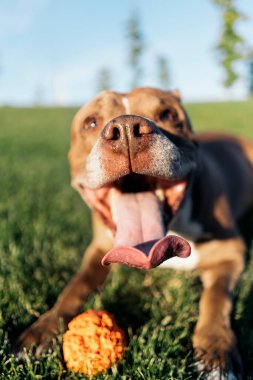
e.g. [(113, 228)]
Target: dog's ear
[(176, 94)]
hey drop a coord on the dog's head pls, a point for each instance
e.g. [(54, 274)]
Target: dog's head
[(129, 152)]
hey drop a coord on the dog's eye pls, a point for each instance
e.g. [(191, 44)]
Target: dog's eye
[(89, 123), (93, 123), (169, 114)]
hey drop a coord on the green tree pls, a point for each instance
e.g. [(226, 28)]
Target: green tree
[(136, 48), (163, 72), (104, 79), (39, 95), (231, 45)]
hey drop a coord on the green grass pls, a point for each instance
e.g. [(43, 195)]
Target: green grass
[(44, 228)]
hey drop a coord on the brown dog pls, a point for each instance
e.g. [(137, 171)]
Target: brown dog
[(136, 161)]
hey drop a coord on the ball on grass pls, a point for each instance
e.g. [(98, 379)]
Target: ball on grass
[(93, 342)]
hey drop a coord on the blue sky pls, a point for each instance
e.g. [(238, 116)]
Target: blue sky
[(57, 47)]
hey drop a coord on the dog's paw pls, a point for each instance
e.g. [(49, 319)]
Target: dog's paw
[(218, 374), (39, 336), (217, 354)]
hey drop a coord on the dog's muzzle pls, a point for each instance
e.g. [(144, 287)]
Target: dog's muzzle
[(134, 144)]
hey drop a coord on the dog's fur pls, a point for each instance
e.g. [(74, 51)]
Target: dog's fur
[(218, 170)]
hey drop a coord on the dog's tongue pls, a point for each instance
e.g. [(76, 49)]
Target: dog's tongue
[(139, 240), (138, 218)]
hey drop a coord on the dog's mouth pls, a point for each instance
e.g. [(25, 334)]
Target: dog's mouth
[(138, 210)]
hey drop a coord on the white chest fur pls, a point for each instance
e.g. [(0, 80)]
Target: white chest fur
[(183, 226), (184, 264)]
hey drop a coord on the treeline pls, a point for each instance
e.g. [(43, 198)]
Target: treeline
[(230, 50)]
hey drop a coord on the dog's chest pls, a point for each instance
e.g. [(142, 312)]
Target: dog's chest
[(183, 225)]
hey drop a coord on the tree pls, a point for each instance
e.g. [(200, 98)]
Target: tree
[(163, 72), (39, 95), (104, 79), (136, 45), (231, 44)]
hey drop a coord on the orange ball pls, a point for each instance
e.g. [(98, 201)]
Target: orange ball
[(93, 343)]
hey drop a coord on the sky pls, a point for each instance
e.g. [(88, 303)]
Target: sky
[(52, 50)]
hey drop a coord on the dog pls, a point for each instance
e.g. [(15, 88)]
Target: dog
[(137, 163)]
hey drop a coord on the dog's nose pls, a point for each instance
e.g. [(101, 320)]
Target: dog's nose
[(128, 130), (126, 143)]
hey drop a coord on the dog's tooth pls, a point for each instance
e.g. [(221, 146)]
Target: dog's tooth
[(160, 194)]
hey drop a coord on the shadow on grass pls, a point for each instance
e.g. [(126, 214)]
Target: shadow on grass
[(125, 297), (243, 313)]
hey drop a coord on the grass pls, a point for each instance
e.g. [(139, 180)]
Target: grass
[(44, 228)]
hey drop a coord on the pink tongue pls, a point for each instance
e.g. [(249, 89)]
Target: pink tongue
[(139, 223), (138, 218)]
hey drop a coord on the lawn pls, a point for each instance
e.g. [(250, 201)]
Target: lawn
[(44, 228)]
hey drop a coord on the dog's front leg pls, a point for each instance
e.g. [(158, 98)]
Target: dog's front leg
[(214, 341), (89, 278), (91, 275)]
